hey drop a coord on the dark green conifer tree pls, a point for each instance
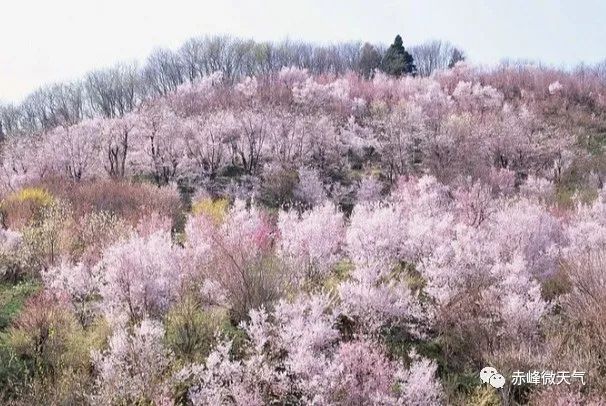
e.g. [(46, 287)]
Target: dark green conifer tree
[(397, 61)]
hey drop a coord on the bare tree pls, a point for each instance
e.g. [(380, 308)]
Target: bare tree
[(298, 54), (349, 54), (600, 70), (203, 56), (242, 59), (10, 117), (2, 134), (264, 55), (164, 71), (192, 56), (432, 56), (113, 92), (34, 113), (67, 103), (456, 56), (216, 55)]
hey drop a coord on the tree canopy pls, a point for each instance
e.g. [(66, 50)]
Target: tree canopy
[(397, 61)]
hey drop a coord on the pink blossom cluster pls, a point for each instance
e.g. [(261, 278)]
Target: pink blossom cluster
[(297, 351), (464, 122), (425, 227), (313, 242)]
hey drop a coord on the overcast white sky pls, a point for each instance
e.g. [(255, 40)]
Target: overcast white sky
[(45, 41)]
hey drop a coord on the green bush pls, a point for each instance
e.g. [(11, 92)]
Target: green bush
[(13, 372), (190, 329), (277, 189)]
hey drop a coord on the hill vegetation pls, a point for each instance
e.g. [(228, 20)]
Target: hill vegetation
[(302, 237)]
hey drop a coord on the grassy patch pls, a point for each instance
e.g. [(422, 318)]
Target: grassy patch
[(339, 274), (12, 298), (593, 141), (13, 370), (567, 194)]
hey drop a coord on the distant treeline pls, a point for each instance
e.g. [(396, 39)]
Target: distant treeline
[(114, 91)]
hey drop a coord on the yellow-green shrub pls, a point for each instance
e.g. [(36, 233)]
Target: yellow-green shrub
[(32, 194), (22, 207), (484, 396), (213, 209)]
